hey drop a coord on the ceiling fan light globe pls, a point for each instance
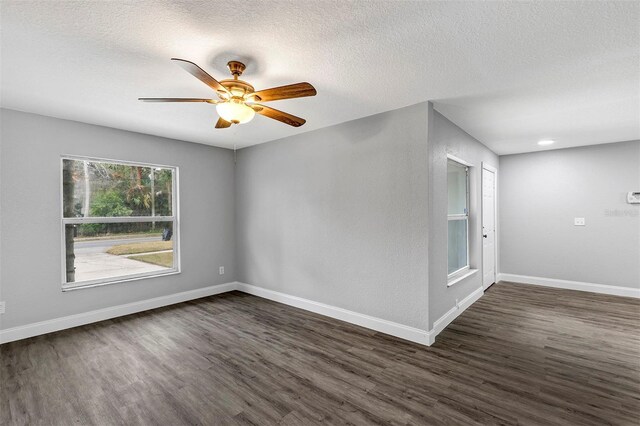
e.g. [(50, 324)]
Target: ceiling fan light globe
[(235, 112)]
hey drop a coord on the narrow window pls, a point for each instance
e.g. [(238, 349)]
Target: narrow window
[(119, 221), (458, 215)]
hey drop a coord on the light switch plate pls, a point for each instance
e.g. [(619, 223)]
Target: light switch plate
[(2, 306), (579, 221)]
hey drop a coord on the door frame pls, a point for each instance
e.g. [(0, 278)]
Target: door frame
[(494, 170)]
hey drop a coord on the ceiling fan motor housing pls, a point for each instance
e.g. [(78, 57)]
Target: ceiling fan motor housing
[(236, 68), (238, 88)]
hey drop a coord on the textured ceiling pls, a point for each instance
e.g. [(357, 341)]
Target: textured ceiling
[(509, 73)]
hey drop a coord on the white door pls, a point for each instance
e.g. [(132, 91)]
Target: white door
[(488, 226)]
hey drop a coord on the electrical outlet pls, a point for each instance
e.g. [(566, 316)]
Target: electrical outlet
[(579, 221), (2, 306), (457, 303), (221, 270)]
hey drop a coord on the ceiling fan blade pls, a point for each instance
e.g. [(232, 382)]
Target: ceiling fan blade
[(222, 124), (200, 74), (298, 90), (211, 101), (282, 116)]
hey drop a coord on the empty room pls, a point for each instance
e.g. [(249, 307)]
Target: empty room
[(319, 212)]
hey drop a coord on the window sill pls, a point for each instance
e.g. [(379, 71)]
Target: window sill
[(100, 283), (457, 278)]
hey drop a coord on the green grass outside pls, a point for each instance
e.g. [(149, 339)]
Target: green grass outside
[(144, 247), (163, 259), (119, 236)]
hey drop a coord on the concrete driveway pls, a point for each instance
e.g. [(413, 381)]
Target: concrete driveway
[(92, 262), (92, 266)]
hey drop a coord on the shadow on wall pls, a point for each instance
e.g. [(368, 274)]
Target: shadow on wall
[(356, 135)]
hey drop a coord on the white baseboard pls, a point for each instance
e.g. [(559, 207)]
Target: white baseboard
[(57, 324), (571, 285), (401, 331), (388, 327), (442, 322)]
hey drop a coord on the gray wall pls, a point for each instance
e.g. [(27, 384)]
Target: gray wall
[(352, 215), (30, 204), (339, 215), (541, 194), (447, 138)]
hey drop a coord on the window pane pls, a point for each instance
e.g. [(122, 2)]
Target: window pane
[(457, 187), (115, 250), (101, 189), (457, 245)]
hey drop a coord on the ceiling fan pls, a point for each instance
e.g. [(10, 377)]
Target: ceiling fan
[(238, 99)]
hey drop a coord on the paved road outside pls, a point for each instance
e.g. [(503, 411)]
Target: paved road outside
[(101, 246)]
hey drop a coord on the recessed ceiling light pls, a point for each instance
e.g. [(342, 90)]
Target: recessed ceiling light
[(546, 142)]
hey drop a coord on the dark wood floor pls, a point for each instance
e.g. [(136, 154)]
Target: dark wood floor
[(520, 355)]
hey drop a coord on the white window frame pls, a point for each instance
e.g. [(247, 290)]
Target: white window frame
[(175, 218), (452, 277)]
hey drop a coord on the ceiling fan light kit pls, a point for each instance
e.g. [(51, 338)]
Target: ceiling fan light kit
[(235, 111), (237, 98)]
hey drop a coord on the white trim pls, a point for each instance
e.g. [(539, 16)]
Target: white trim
[(79, 285), (465, 216), (388, 327), (401, 331), (175, 209), (457, 217), (489, 167), (442, 322), (62, 323), (493, 170), (174, 219), (456, 279), (459, 160), (116, 219), (112, 160), (571, 285)]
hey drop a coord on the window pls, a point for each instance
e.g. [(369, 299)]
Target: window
[(458, 215), (119, 221)]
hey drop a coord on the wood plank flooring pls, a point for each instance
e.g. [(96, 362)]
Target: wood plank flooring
[(520, 355)]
